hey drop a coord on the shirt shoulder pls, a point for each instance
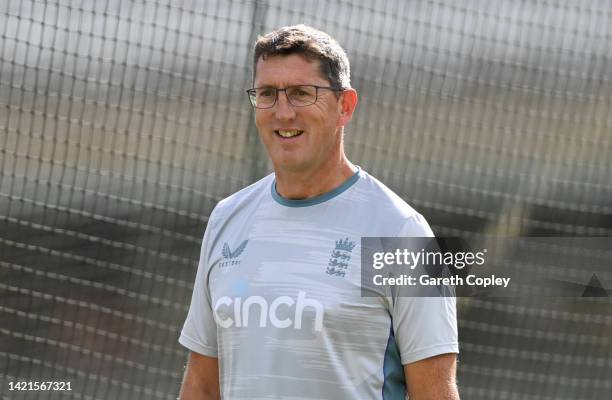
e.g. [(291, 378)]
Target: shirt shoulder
[(382, 204), (232, 214), (242, 200), (388, 201)]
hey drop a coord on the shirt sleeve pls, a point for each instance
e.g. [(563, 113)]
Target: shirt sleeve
[(199, 332), (424, 326)]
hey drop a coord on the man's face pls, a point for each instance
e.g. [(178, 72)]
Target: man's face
[(320, 139)]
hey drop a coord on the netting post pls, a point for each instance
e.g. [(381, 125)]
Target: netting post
[(254, 149)]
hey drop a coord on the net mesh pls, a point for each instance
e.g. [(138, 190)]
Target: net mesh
[(122, 123)]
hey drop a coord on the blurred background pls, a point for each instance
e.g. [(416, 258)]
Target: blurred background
[(123, 123)]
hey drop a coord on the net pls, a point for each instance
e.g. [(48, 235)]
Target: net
[(122, 123)]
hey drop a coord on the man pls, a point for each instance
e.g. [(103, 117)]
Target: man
[(277, 310)]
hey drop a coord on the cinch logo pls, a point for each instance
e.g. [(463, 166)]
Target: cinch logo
[(235, 311), (229, 255), (340, 257)]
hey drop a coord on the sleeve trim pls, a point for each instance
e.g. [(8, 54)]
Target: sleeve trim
[(197, 347), (430, 351)]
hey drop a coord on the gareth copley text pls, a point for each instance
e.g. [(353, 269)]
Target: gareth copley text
[(426, 280)]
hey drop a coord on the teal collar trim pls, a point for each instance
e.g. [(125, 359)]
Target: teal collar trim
[(317, 199)]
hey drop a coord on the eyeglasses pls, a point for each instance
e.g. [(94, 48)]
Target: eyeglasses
[(298, 96)]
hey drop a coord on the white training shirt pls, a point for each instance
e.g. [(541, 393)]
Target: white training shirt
[(277, 297)]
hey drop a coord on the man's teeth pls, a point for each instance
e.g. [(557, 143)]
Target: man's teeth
[(288, 134)]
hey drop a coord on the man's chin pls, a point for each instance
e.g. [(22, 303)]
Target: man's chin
[(290, 164)]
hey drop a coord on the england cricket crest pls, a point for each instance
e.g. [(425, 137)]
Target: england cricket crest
[(340, 257)]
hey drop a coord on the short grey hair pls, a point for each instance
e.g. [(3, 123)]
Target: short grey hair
[(310, 43)]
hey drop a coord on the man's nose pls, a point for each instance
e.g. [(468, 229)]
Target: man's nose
[(284, 110)]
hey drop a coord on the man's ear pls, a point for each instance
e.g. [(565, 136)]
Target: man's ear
[(348, 103)]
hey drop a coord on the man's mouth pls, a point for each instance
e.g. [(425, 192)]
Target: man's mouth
[(289, 133)]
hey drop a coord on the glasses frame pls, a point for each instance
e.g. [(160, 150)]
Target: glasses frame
[(251, 94)]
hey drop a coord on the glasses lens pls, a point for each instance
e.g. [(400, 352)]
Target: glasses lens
[(263, 97), (303, 95)]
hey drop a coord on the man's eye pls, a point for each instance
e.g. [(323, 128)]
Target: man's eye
[(302, 92)]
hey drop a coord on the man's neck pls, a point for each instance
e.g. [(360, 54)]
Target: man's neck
[(299, 185)]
